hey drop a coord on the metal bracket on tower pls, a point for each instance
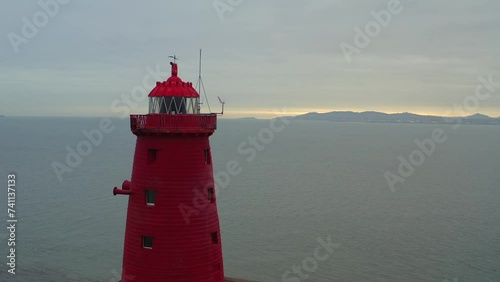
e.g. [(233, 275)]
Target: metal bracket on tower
[(222, 103)]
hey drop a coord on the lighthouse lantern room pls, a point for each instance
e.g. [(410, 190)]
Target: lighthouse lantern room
[(174, 96)]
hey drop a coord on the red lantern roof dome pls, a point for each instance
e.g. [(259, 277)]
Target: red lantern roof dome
[(174, 87)]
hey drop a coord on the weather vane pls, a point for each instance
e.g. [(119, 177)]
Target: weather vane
[(174, 57)]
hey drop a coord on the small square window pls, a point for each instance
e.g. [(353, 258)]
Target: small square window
[(208, 156), (211, 196), (150, 197), (147, 242), (152, 155), (215, 238), (216, 266)]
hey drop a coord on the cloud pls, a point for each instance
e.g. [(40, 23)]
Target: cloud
[(263, 55)]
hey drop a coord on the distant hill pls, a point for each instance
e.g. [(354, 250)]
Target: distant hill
[(370, 116)]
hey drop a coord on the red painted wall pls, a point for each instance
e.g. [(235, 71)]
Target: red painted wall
[(182, 220)]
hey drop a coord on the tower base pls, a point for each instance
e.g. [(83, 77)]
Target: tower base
[(229, 279)]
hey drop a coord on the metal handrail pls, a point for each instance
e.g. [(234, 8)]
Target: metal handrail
[(175, 122)]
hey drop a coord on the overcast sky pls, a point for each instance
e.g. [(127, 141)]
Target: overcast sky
[(258, 55)]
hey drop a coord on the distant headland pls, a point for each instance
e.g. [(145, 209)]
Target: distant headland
[(379, 117)]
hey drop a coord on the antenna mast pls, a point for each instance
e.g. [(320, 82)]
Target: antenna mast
[(202, 86)]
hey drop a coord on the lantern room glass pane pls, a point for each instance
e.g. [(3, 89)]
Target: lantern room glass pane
[(174, 105)]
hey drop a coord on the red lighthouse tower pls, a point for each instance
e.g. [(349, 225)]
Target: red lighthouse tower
[(172, 170)]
